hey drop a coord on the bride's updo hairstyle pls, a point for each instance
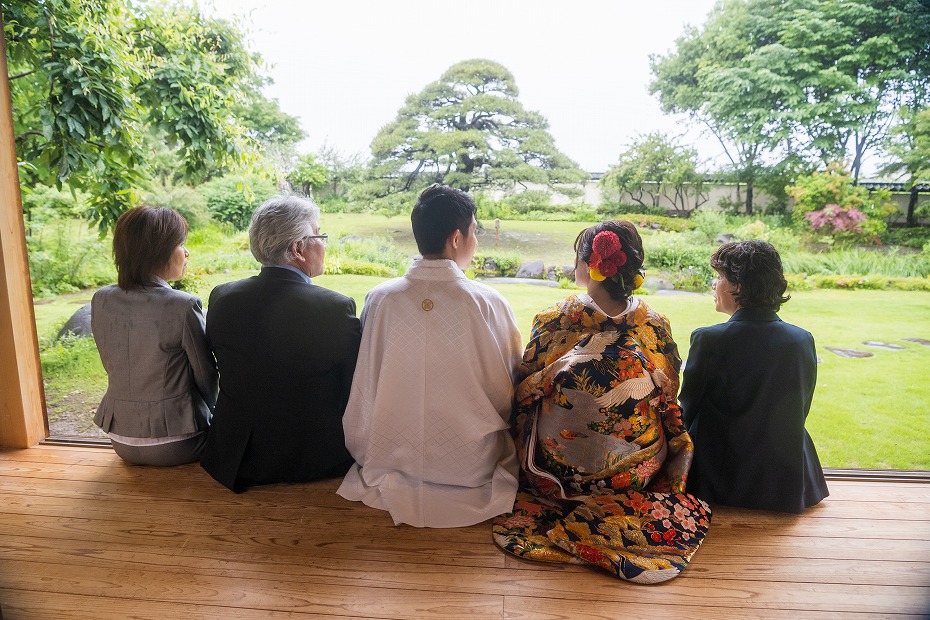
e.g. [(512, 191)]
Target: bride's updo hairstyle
[(615, 268)]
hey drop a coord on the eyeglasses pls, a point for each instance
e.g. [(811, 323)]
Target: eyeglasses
[(323, 237)]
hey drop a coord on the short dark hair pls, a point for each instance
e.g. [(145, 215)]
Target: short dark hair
[(623, 284), (754, 268), (143, 241), (439, 212)]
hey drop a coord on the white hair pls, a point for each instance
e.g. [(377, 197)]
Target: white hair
[(277, 224)]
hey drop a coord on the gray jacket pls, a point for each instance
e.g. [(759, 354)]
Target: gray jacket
[(162, 377)]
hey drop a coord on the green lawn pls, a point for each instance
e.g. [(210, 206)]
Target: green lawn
[(870, 412)]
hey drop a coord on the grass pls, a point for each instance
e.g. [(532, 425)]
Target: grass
[(872, 412)]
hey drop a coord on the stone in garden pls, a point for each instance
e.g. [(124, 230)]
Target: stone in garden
[(490, 265), (533, 269), (882, 345), (819, 360), (348, 238), (78, 324), (568, 271), (849, 352), (922, 341), (724, 238), (657, 283), (552, 273)]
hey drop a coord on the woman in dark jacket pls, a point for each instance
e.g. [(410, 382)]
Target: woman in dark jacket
[(747, 389)]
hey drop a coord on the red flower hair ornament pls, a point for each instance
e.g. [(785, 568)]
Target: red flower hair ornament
[(607, 256)]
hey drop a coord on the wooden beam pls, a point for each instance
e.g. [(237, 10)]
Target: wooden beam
[(23, 422)]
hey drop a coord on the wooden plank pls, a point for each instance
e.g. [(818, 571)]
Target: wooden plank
[(528, 607), (412, 593), (29, 605), (196, 556), (22, 398), (231, 590)]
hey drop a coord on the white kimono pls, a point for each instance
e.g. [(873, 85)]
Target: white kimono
[(428, 417)]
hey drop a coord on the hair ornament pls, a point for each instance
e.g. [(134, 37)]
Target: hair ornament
[(607, 256)]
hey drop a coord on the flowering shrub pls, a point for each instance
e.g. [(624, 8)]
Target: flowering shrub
[(859, 214), (836, 219)]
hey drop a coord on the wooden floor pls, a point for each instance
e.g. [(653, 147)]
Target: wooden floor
[(83, 535)]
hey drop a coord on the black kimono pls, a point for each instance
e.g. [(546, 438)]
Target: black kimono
[(747, 389)]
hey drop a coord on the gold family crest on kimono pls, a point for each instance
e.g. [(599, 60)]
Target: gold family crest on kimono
[(602, 446)]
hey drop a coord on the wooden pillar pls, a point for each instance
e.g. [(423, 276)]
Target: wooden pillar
[(22, 400)]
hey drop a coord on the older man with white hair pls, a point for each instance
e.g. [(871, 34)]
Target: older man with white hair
[(286, 351)]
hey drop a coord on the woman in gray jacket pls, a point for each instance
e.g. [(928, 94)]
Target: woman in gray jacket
[(162, 377)]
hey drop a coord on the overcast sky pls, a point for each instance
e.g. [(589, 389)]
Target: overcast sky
[(344, 67)]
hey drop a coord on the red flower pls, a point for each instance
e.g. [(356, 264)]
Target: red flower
[(656, 537), (606, 243), (669, 535)]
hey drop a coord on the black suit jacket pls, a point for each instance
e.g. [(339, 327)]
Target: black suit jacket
[(286, 352), (747, 388)]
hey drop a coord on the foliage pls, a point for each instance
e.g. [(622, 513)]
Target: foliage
[(909, 146), (308, 175), (182, 198), (64, 256), (375, 256), (775, 80), (507, 262), (90, 79), (612, 208), (907, 237), (655, 166), (686, 254), (836, 220), (858, 262), (266, 123), (72, 357), (232, 198), (834, 186), (42, 204), (466, 130), (343, 173), (654, 222)]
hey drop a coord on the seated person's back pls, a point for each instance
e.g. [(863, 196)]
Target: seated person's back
[(428, 415), (748, 387), (286, 351)]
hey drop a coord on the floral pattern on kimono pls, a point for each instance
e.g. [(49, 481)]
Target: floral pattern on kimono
[(602, 446)]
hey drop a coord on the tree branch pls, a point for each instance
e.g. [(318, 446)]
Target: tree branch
[(25, 134), (22, 75)]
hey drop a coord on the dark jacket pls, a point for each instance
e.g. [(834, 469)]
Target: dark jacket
[(286, 353), (747, 389)]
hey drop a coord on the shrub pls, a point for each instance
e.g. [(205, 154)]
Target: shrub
[(681, 256), (913, 237), (800, 282), (233, 198), (66, 256), (42, 204), (858, 262), (185, 200), (71, 357), (508, 261), (711, 223), (376, 256), (834, 186), (608, 210)]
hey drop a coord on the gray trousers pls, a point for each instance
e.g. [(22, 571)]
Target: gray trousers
[(163, 455)]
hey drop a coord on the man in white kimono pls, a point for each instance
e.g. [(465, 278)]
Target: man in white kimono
[(428, 415)]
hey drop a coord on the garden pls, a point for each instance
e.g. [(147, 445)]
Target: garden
[(163, 104), (868, 412)]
